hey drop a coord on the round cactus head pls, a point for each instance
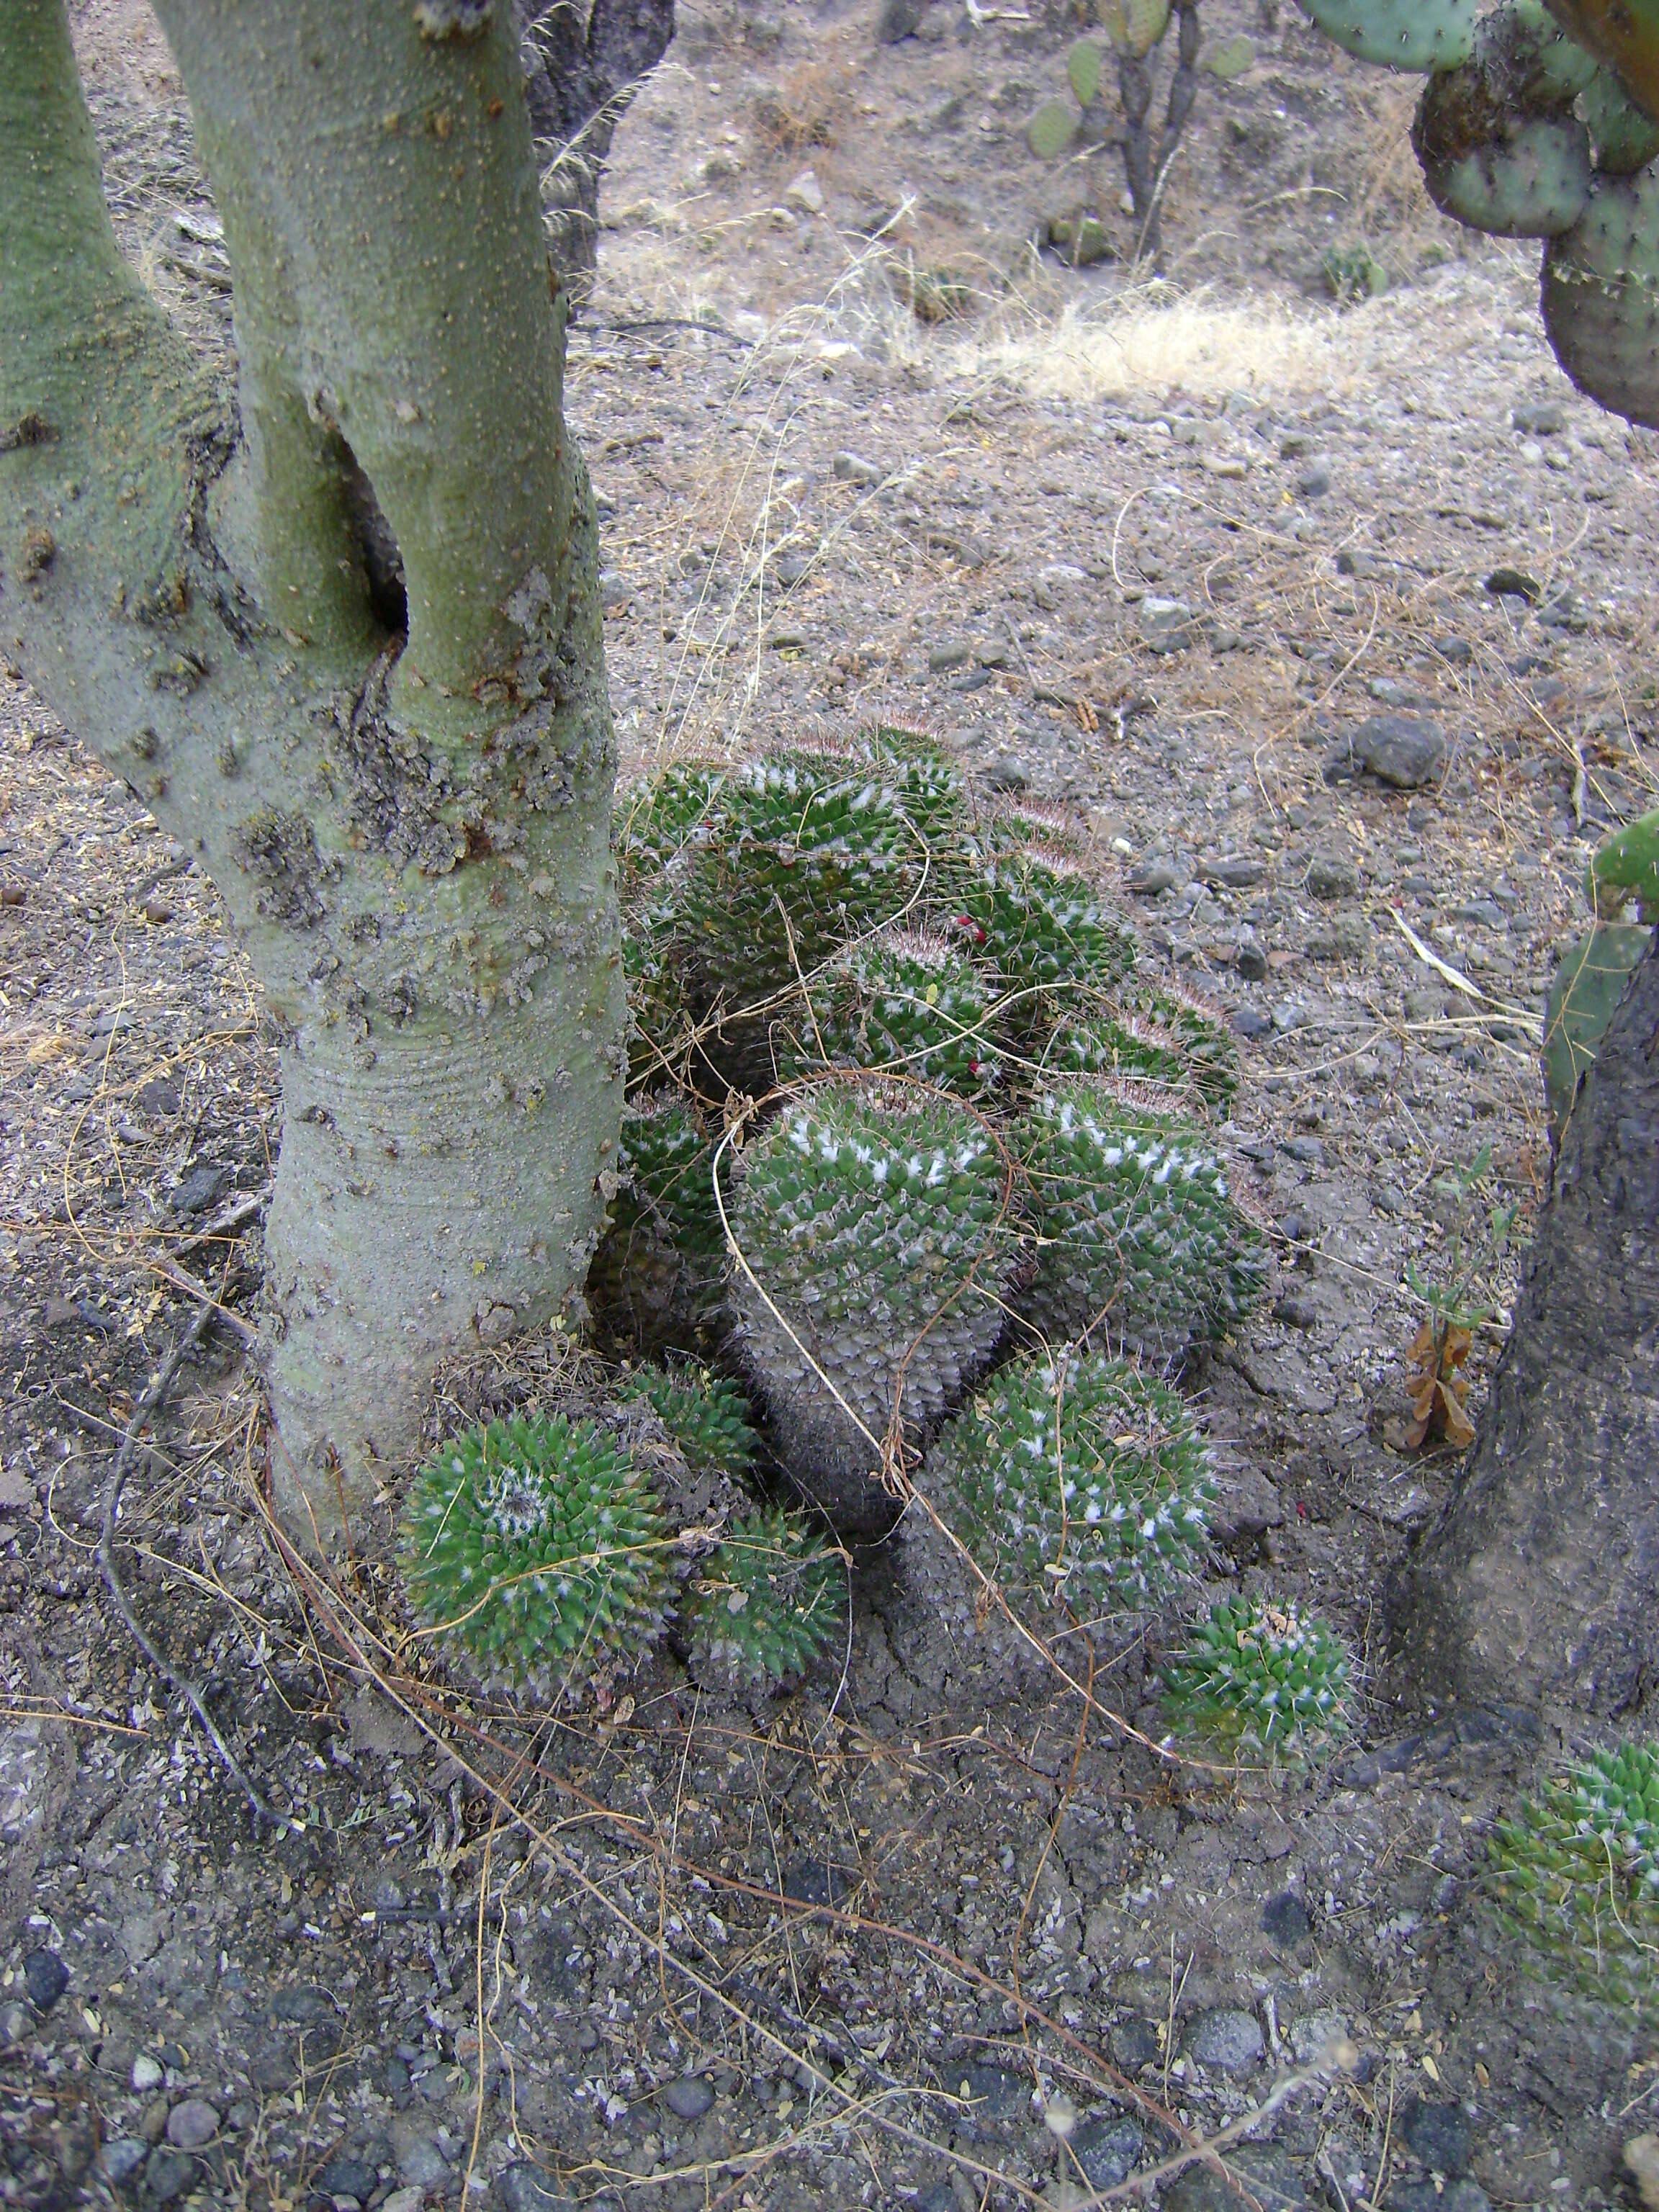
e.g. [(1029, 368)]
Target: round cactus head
[(767, 1604), (1077, 1479), (655, 1280), (904, 1002), (1035, 916), (1577, 1876), (706, 1416), (534, 1548), (1144, 1244), (866, 1217), (1259, 1677)]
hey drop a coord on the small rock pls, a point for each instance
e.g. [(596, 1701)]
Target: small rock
[(1167, 625), (423, 2164), (197, 1191), (1514, 584), (1313, 478), (1397, 749), (818, 1882), (851, 468), (168, 2173), (1252, 956), (525, 2188), (192, 2125), (689, 2098), (120, 2161), (1308, 1150), (1249, 1023), (1153, 877), (1313, 2034), (1272, 2178), (952, 654), (615, 589), (1108, 2148), (1237, 872), (1288, 1015), (1295, 1312), (14, 2023), (1354, 561), (1330, 876), (45, 1977), (1641, 2157), (1440, 2135), (1485, 911), (158, 1096), (343, 2176), (1284, 1917), (1227, 2040), (805, 192), (992, 2095), (897, 20), (1544, 421), (1456, 650), (1005, 773), (147, 2073), (1133, 2043)]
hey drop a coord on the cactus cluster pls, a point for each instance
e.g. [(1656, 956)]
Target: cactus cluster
[(536, 1549), (904, 1002), (1261, 1678), (1577, 1876), (766, 1605), (1162, 1037), (1077, 1479), (1542, 122)]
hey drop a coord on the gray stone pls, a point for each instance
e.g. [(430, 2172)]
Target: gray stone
[(45, 1977), (1272, 2179), (1005, 773), (1285, 1919), (852, 468), (1133, 2043), (950, 655), (1237, 871), (992, 2095), (524, 2188), (1313, 2034), (1108, 2148), (689, 2098), (192, 2125), (1440, 2135), (1308, 1150), (1397, 749), (15, 2022), (1249, 1023), (344, 2176), (898, 20), (1389, 1198), (1456, 650), (1313, 478), (147, 2073), (1153, 877), (423, 2164), (168, 2173), (1167, 625), (1330, 876), (1546, 420), (1484, 910), (120, 2161), (1226, 2039), (1252, 956)]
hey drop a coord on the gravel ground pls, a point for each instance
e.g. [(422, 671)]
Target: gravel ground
[(851, 1947)]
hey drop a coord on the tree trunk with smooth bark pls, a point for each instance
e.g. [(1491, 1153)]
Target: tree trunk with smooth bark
[(348, 649), (1539, 1586)]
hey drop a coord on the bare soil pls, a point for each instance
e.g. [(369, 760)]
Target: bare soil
[(844, 1949)]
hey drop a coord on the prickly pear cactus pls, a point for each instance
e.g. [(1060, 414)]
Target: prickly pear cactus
[(903, 1001), (706, 1416), (1261, 1678), (536, 1551), (656, 1278), (1078, 1480), (1143, 1243), (1402, 34), (1625, 870), (768, 1605), (1589, 982), (1577, 1877), (871, 1262)]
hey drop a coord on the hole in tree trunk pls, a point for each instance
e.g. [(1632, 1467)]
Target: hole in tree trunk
[(385, 563)]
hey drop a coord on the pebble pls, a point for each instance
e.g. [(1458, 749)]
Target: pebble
[(423, 2164), (45, 1977), (1484, 910), (1308, 1150), (344, 2176), (1167, 625), (1251, 1023), (805, 192), (1440, 2135), (1330, 876), (1456, 650), (1227, 2040), (1153, 877), (1397, 749), (120, 2161), (1252, 956), (689, 2098), (1388, 1198), (15, 2022), (167, 2172), (1133, 2044), (1514, 584), (1109, 2149), (1313, 479), (1272, 2179), (852, 468), (193, 2124), (195, 1192), (1284, 1917), (147, 2073), (951, 655), (1544, 421)]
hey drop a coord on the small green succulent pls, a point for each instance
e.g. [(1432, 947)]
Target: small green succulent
[(656, 1278), (1159, 1035), (1260, 1677), (1079, 1478), (1142, 1238), (1576, 1875), (768, 1602), (904, 1002), (706, 1416), (660, 823), (1035, 916), (535, 1548)]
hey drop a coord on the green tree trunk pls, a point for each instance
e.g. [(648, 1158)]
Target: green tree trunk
[(411, 831)]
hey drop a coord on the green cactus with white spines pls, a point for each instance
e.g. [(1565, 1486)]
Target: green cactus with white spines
[(706, 1416), (1258, 1677), (659, 824), (1077, 1479), (536, 1550), (1038, 919), (656, 1278), (868, 1220), (1141, 1241), (767, 1605), (902, 1001), (1159, 1035), (1577, 1877)]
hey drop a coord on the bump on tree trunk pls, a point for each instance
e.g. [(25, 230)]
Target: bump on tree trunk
[(1539, 1585)]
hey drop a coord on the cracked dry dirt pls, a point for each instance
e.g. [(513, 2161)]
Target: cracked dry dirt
[(843, 1949)]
